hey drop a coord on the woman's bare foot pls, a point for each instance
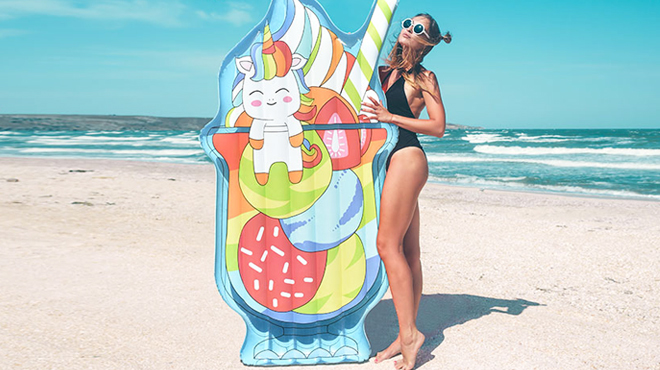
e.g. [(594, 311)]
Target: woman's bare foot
[(409, 348), (389, 352)]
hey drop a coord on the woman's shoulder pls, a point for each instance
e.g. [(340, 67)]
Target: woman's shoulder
[(426, 73), (428, 77)]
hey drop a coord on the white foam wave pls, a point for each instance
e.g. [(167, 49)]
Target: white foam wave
[(428, 139), (96, 138), (112, 154), (113, 141), (549, 162), (87, 140), (181, 140), (517, 178), (542, 138), (105, 132), (484, 138), (517, 150), (200, 159), (93, 138), (564, 189), (179, 147)]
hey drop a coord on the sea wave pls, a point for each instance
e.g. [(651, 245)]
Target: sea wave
[(549, 162), (88, 140), (496, 183), (181, 140), (517, 150), (10, 133), (113, 140), (112, 154), (484, 138), (615, 163)]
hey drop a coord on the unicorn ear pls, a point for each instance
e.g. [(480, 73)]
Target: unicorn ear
[(245, 66), (297, 61)]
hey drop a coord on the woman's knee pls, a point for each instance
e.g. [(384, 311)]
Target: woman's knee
[(387, 247)]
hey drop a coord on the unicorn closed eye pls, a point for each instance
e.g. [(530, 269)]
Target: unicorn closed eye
[(272, 90)]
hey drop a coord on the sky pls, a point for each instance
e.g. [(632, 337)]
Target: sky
[(511, 64)]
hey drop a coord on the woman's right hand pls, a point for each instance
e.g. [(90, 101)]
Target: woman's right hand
[(376, 110)]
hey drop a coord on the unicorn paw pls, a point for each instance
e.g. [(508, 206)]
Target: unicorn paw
[(296, 140), (262, 178), (295, 176), (257, 144)]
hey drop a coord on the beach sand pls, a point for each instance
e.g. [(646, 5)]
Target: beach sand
[(109, 265)]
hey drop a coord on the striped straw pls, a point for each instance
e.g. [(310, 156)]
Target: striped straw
[(360, 75)]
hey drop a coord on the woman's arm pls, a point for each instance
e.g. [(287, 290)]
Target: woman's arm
[(434, 125)]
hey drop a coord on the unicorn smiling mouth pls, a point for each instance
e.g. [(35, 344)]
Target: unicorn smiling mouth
[(272, 104)]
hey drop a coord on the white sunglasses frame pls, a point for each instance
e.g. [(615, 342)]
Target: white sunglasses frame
[(412, 24)]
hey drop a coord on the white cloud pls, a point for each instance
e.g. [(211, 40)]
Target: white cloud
[(204, 61), (161, 13), (238, 14), (12, 32)]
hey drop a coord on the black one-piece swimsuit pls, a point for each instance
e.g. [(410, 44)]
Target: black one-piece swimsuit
[(397, 103)]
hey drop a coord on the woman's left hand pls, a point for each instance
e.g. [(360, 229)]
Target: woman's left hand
[(375, 109)]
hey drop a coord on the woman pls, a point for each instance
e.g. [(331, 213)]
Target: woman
[(409, 89)]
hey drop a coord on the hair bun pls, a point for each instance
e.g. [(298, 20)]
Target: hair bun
[(447, 37)]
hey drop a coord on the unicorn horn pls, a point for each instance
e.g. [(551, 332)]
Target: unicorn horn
[(269, 46), (268, 54)]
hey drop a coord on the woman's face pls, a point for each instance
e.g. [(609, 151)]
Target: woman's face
[(412, 40)]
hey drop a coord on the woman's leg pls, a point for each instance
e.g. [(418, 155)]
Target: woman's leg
[(411, 251), (405, 178)]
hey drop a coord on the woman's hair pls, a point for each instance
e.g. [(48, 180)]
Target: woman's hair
[(409, 60)]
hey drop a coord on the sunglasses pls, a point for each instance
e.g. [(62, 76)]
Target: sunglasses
[(418, 28)]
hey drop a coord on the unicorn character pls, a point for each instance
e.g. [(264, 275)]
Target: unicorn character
[(271, 95)]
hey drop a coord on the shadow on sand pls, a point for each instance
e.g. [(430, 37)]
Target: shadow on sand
[(437, 312)]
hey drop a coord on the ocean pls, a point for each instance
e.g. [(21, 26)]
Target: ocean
[(605, 163)]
